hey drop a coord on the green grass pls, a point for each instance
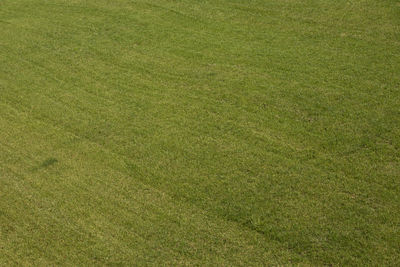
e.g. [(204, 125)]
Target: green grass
[(198, 132)]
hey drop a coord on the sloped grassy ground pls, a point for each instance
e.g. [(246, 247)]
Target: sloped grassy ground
[(199, 132)]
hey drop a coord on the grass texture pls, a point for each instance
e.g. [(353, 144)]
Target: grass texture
[(199, 132)]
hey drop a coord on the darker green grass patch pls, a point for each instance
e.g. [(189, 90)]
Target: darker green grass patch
[(48, 162), (45, 164)]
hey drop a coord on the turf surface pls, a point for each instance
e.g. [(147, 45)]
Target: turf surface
[(199, 132)]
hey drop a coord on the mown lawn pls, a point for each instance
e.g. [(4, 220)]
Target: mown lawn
[(199, 132)]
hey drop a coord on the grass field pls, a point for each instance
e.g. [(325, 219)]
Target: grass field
[(196, 132)]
